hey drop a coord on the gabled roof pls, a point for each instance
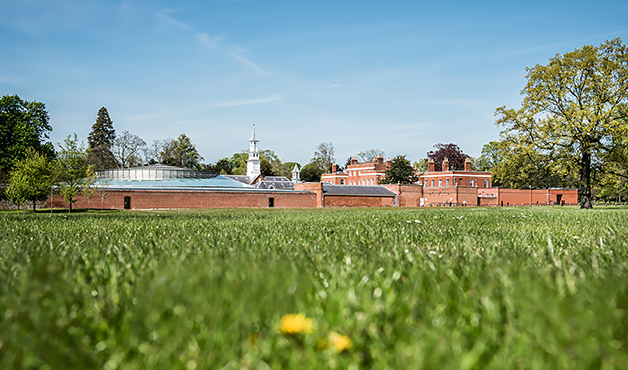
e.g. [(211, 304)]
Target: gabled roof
[(241, 178), (275, 185), (357, 190), (276, 178)]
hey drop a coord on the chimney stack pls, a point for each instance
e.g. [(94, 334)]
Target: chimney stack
[(467, 164), (431, 165), (445, 164)]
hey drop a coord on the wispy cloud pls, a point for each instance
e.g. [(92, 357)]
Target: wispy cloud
[(555, 47), (10, 80), (217, 104), (240, 102), (157, 115), (211, 41), (237, 55), (164, 16)]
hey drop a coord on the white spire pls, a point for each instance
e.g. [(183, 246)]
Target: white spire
[(253, 137), (296, 174), (253, 164)]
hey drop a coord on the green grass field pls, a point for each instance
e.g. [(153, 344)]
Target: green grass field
[(534, 288)]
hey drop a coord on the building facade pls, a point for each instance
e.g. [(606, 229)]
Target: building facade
[(358, 173), (448, 177)]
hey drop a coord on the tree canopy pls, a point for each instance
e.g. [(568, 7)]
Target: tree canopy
[(311, 173), (400, 171), (31, 177), (101, 140), (324, 157), (574, 110), (71, 168), (180, 152), (452, 152), (127, 149), (369, 155), (23, 125)]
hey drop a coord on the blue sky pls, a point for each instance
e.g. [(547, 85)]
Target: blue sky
[(399, 76)]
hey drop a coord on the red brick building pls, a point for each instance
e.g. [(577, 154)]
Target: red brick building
[(447, 177), (358, 173), (447, 187)]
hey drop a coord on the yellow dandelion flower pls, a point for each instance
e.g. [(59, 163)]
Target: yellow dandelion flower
[(295, 323), (340, 342)]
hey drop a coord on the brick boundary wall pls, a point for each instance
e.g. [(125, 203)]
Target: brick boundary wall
[(171, 199), (454, 195), (358, 201), (531, 197), (407, 195)]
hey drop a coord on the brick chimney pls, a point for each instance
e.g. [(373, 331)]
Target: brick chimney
[(430, 165), (380, 162), (334, 168), (354, 160), (467, 164), (445, 164)]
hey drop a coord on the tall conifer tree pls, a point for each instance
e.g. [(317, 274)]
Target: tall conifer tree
[(100, 141)]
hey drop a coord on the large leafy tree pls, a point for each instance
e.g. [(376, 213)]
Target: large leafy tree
[(270, 164), (71, 168), (100, 140), (23, 125), (180, 152), (311, 172), (522, 166), (492, 154), (324, 157), (452, 152), (31, 177), (127, 149), (222, 166), (400, 171), (238, 162), (573, 109)]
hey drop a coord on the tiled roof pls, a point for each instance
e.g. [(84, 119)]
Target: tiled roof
[(241, 178), (275, 185)]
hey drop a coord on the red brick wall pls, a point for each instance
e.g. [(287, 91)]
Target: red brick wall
[(458, 195), (486, 201), (536, 196), (407, 195), (467, 195), (314, 187), (439, 195), (156, 199), (358, 201)]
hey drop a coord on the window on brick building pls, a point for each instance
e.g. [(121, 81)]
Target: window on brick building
[(447, 182), (486, 183), (432, 183), (471, 182), (440, 182), (342, 181)]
